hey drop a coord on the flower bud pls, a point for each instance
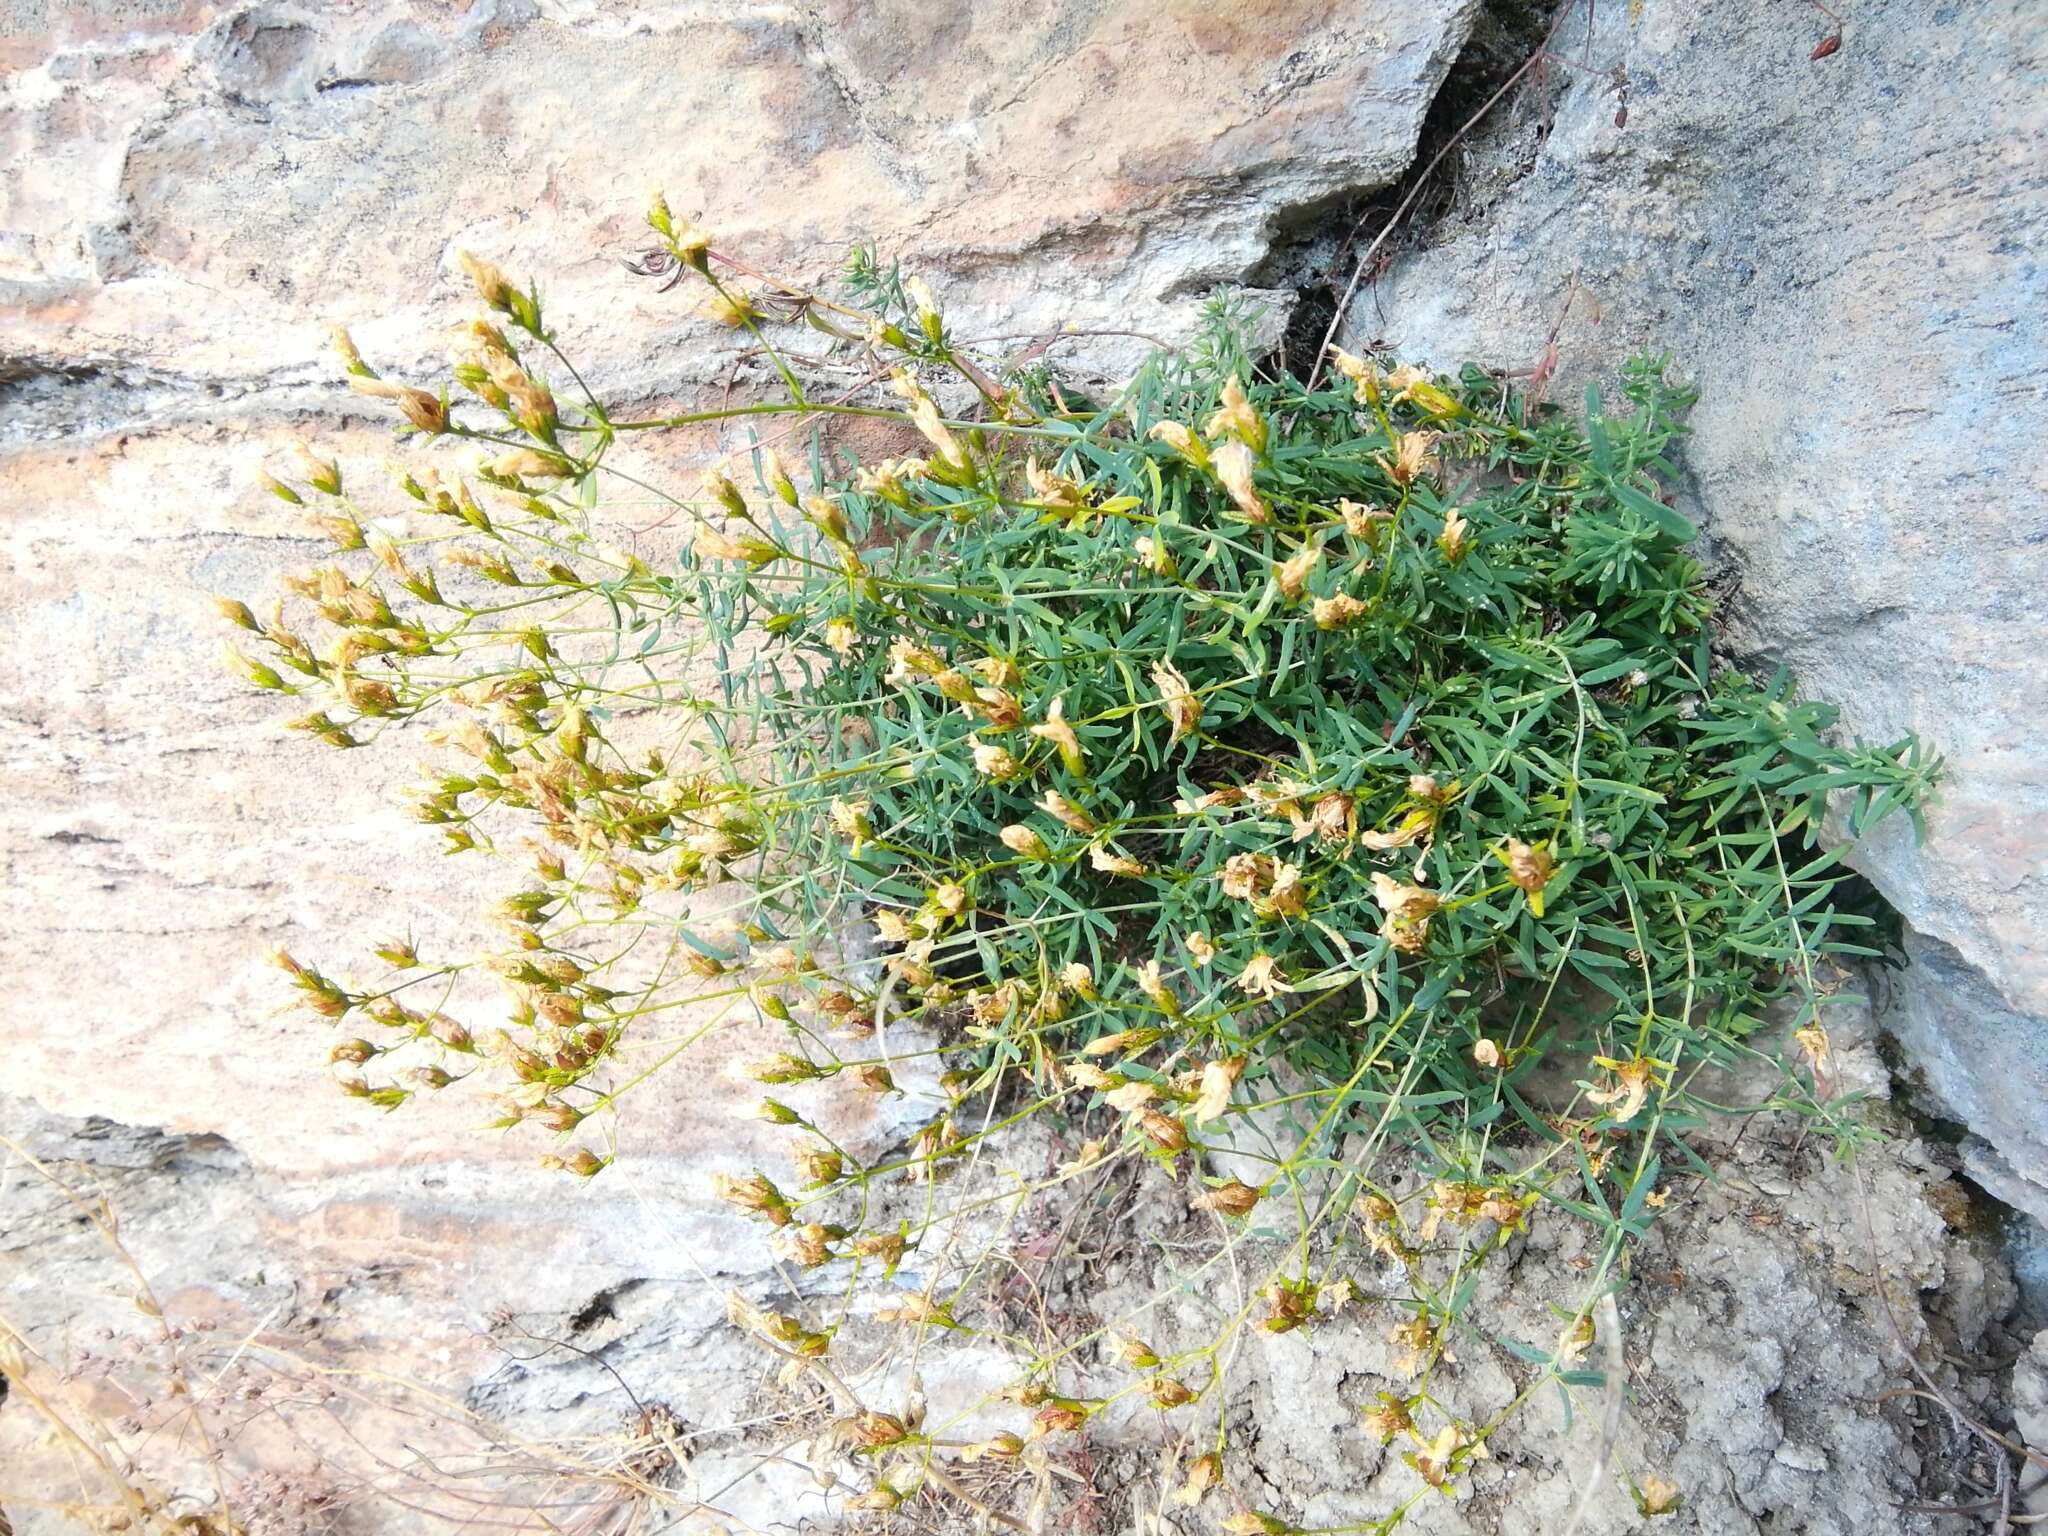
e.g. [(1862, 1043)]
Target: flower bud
[(345, 349), (818, 1166), (1024, 842), (236, 613), (491, 284), (825, 513), (1167, 1133), (994, 762), (423, 410), (1232, 1199), (777, 478)]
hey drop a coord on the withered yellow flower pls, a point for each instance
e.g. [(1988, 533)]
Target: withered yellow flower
[(1337, 612), (1021, 840), (1168, 1393), (1530, 868), (1262, 977), (1408, 909), (1362, 522), (1056, 730), (730, 307), (1658, 1495), (1110, 862), (1199, 949), (999, 709), (841, 634), (1125, 1039), (1236, 419), (1433, 1461), (1413, 1339), (1219, 1078), (1330, 819), (1182, 442), (1456, 538), (1292, 572), (1232, 1199), (1233, 467), (1414, 454), (423, 410), (886, 479), (345, 348), (491, 284), (1203, 1473), (1165, 1132), (1183, 709), (1389, 1419), (1403, 379), (850, 820), (690, 242), (525, 397), (1067, 814), (993, 761), (908, 662), (1154, 986), (1288, 897), (1128, 1098), (754, 1194), (1246, 876), (1002, 1447), (1413, 828), (1363, 376), (525, 464), (1273, 887), (714, 544), (1629, 1089), (924, 415), (1413, 384), (1055, 490), (1153, 554), (919, 292)]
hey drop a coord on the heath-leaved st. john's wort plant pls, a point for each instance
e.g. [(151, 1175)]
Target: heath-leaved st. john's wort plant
[(1225, 750)]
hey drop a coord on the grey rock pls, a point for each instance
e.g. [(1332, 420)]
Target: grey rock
[(1844, 255)]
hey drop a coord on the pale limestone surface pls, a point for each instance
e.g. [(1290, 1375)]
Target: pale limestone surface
[(192, 194)]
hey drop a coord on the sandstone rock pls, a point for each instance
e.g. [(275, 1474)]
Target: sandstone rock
[(1843, 253), (195, 192), (206, 194)]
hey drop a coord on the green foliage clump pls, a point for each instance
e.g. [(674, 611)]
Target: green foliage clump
[(1346, 756)]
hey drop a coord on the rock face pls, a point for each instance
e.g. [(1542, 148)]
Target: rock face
[(1844, 253), (195, 191), (206, 187)]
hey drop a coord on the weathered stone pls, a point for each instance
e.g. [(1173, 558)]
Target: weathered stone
[(194, 193), (1843, 253), (205, 196)]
